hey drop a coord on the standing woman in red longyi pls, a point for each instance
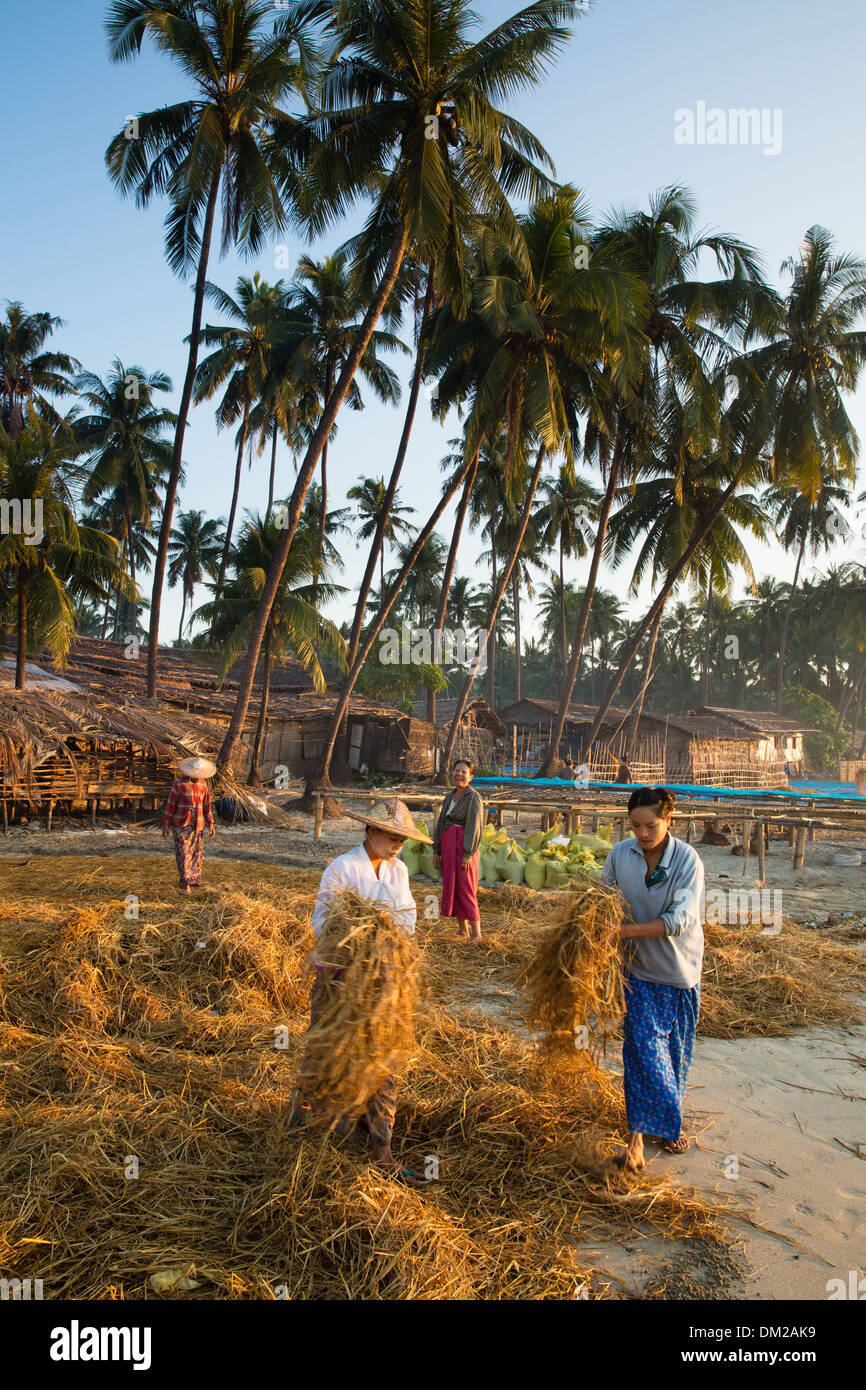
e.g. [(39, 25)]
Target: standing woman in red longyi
[(456, 843), (187, 812)]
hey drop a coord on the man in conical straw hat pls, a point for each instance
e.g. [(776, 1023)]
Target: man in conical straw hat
[(374, 871), (187, 812)]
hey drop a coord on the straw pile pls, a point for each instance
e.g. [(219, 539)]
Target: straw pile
[(365, 1029), (143, 1142), (574, 978), (757, 985)]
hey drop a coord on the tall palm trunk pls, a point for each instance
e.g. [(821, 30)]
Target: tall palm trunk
[(118, 598), (182, 617), (515, 599), (645, 683), (224, 558), (21, 647), (853, 688), (130, 540), (783, 648), (450, 565), (377, 549), (180, 431), (107, 613), (254, 778), (707, 630), (299, 492), (491, 655), (379, 621), (272, 475), (583, 616), (659, 603), (563, 632), (501, 586), (323, 510)]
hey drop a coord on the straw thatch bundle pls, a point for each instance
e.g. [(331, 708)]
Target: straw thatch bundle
[(365, 1029), (574, 978)]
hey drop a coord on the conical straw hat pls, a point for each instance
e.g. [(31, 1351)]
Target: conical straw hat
[(197, 767), (393, 816)]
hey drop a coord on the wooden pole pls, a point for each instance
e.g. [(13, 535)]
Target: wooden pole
[(762, 853), (747, 842), (514, 750), (317, 824), (800, 848)]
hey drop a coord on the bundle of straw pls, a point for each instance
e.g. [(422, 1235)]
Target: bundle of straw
[(366, 1027), (575, 974)]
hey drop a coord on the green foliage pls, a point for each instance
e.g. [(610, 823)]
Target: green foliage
[(822, 750), (397, 684)]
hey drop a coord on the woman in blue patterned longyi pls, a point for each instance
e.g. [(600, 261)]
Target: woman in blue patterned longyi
[(662, 880)]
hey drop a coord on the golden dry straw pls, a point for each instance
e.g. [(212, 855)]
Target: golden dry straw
[(365, 1029), (574, 978), (228, 1202)]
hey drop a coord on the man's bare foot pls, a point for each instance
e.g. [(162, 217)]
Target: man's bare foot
[(475, 933), (180, 888)]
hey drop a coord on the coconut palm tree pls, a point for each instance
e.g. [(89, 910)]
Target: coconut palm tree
[(547, 325), (464, 609), (802, 523), (297, 627), (421, 590), (243, 67), (328, 298), (378, 521), (125, 437), (239, 363), (56, 562), (567, 516), (689, 326), (194, 550), (793, 386), (405, 115), (29, 374)]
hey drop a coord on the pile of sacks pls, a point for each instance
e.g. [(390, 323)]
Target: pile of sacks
[(548, 859)]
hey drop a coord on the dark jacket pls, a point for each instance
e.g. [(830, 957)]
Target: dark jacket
[(471, 818)]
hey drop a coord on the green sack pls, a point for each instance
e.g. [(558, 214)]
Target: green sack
[(555, 876), (411, 858), (488, 866), (535, 872), (504, 853), (596, 844), (422, 826), (428, 868), (534, 842), (513, 870)]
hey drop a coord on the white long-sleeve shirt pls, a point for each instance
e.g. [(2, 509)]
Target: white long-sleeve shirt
[(354, 870)]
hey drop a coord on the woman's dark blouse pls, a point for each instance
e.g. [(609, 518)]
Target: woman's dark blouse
[(468, 812)]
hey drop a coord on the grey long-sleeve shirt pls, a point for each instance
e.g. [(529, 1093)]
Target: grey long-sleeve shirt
[(676, 957)]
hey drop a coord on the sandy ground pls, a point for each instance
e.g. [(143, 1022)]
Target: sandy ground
[(777, 1153), (790, 1157)]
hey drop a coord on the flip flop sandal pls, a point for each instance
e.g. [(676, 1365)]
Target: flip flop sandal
[(410, 1178), (675, 1146), (297, 1118)]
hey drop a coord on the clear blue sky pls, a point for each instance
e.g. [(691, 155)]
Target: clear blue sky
[(70, 245)]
